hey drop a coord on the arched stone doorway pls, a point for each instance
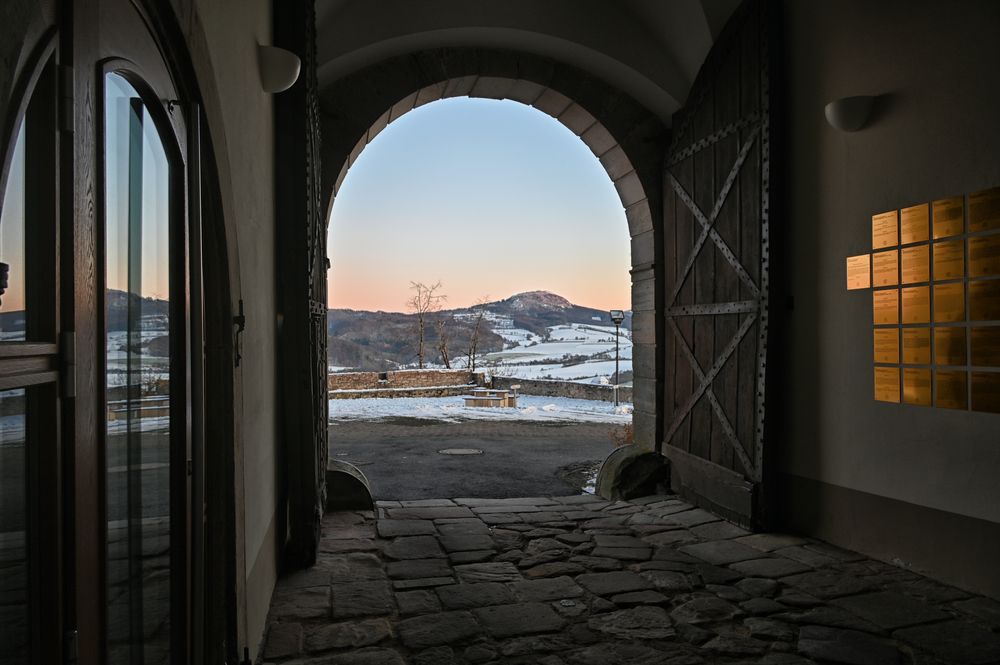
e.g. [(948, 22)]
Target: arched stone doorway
[(626, 138)]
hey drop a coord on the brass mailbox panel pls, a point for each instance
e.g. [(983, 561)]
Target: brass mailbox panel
[(885, 306), (984, 210), (917, 346), (949, 217), (949, 302), (885, 268), (949, 346), (916, 264), (935, 281), (887, 345), (859, 272), (984, 300), (952, 389), (885, 230), (949, 260), (916, 304), (986, 391), (914, 224), (984, 256), (985, 342), (887, 384), (917, 386)]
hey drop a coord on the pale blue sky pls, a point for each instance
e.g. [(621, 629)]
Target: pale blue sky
[(490, 197)]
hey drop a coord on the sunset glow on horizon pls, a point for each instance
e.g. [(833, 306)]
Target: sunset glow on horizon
[(491, 199)]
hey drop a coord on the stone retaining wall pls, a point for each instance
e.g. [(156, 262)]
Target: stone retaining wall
[(438, 391), (550, 388), (407, 378)]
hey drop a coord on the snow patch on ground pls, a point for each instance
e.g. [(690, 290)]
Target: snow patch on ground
[(453, 409)]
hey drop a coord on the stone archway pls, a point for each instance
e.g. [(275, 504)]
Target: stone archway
[(628, 140)]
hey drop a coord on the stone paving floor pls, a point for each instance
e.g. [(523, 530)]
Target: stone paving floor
[(581, 581)]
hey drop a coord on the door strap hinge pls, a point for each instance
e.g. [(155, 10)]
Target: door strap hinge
[(70, 647), (67, 352)]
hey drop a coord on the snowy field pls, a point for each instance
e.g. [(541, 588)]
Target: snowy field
[(453, 409), (576, 352)]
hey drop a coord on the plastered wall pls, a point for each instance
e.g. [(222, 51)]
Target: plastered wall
[(934, 133), (240, 119)]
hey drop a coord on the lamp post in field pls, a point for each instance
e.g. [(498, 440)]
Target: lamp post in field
[(617, 316)]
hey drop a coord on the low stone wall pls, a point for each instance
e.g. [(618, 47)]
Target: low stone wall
[(550, 388), (407, 378), (440, 391)]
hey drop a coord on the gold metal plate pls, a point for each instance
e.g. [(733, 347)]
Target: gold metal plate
[(885, 230), (949, 302), (985, 346), (984, 256), (887, 345), (917, 346), (914, 224), (984, 300), (949, 217), (859, 272), (917, 386), (952, 389), (887, 384), (885, 306), (916, 264), (984, 210), (885, 268), (916, 304), (986, 391), (949, 260), (949, 346)]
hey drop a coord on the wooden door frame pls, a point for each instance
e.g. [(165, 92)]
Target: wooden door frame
[(212, 624), (34, 364)]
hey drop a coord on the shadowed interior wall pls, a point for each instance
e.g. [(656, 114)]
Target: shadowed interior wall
[(240, 119), (853, 466)]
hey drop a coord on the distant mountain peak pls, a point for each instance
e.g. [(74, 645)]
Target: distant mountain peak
[(537, 299)]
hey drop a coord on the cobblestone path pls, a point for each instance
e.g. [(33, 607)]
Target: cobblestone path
[(581, 581)]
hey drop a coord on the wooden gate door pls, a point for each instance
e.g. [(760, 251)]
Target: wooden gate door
[(716, 191)]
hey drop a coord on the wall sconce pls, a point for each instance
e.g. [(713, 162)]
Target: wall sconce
[(279, 68), (850, 113)]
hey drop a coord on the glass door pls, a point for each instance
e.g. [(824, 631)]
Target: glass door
[(145, 376), (29, 362)]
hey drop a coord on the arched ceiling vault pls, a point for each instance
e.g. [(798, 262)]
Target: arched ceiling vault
[(649, 49)]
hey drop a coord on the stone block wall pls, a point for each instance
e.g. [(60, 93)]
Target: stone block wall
[(550, 388), (407, 378)]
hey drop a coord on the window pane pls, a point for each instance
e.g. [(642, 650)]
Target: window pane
[(12, 309), (138, 379), (14, 622)]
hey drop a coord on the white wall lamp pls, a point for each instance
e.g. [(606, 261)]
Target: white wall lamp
[(850, 113), (279, 68)]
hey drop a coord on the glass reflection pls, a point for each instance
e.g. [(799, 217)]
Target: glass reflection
[(137, 320), (14, 620), (12, 266)]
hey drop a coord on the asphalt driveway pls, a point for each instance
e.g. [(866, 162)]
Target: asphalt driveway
[(401, 460)]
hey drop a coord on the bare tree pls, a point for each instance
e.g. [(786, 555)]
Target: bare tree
[(425, 301), (443, 333), (479, 311)]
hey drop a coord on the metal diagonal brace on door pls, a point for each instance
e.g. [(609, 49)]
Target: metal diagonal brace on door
[(727, 427), (707, 380), (708, 223)]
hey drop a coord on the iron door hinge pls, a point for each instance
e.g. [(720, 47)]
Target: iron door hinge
[(67, 101), (240, 322), (70, 647), (67, 349)]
